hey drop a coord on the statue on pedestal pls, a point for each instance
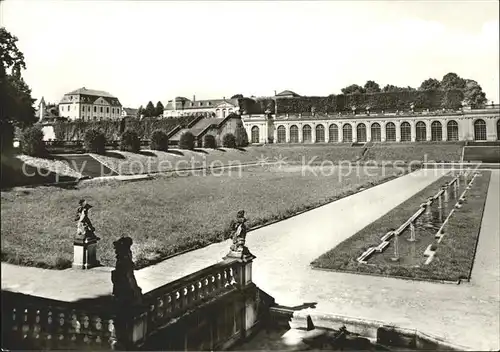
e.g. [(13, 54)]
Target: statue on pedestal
[(240, 233), (84, 228)]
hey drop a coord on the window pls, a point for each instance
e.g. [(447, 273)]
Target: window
[(333, 135), (255, 134), (498, 130), (294, 134), (376, 132), (95, 108), (281, 134), (107, 110), (223, 113), (361, 132), (101, 109), (479, 130), (452, 131), (88, 109), (405, 132), (390, 132), (306, 134), (347, 133), (83, 108), (436, 131), (320, 134), (421, 131)]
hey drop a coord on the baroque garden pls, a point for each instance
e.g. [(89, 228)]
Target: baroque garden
[(361, 220)]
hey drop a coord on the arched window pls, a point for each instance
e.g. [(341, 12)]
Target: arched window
[(361, 132), (436, 131), (333, 133), (405, 132), (452, 130), (347, 133), (223, 113), (479, 130), (320, 134), (421, 131), (217, 112), (294, 134), (255, 134), (390, 132), (376, 132), (498, 130), (281, 134), (306, 134)]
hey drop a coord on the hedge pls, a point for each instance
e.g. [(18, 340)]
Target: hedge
[(112, 130), (159, 140), (209, 141), (390, 101), (186, 141), (229, 141), (95, 141), (130, 141), (32, 141)]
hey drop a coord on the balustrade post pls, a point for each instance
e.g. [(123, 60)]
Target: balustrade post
[(412, 232), (395, 258)]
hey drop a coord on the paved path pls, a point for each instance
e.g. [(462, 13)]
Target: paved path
[(465, 314)]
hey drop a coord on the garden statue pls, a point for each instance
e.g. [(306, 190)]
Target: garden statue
[(85, 229), (240, 233), (125, 288)]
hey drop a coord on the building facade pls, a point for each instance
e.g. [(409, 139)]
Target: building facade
[(90, 105), (216, 108), (466, 125)]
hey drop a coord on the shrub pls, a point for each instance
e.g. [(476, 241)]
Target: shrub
[(130, 141), (187, 141), (95, 141), (240, 135), (229, 141), (159, 140), (209, 141), (32, 142)]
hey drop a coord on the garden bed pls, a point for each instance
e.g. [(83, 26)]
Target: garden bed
[(454, 254), (166, 215)]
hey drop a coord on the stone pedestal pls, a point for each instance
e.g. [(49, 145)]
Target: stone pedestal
[(85, 253), (245, 270)]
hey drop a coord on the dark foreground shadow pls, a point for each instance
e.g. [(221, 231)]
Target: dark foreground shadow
[(200, 151), (147, 153), (114, 155), (220, 150), (175, 152)]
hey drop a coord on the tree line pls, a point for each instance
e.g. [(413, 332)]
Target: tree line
[(472, 91)]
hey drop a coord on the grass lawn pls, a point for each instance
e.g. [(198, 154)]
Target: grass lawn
[(428, 151), (165, 215), (454, 255), (126, 163), (489, 154)]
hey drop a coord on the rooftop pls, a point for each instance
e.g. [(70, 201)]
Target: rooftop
[(83, 90)]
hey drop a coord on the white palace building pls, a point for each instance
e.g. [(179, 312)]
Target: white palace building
[(464, 125)]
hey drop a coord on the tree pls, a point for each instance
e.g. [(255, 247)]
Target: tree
[(140, 111), (371, 87), (15, 95), (237, 96), (95, 141), (430, 84), (353, 89), (32, 141), (473, 94), (130, 141), (159, 109), (240, 135), (452, 99), (209, 141), (229, 141), (392, 88), (150, 110), (452, 81), (159, 140)]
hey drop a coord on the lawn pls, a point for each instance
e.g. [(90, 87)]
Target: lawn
[(489, 154), (420, 151), (454, 255), (126, 163), (165, 215)]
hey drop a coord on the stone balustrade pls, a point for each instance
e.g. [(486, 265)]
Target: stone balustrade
[(172, 300), (30, 322)]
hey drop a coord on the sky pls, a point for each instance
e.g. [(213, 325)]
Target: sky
[(156, 50)]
